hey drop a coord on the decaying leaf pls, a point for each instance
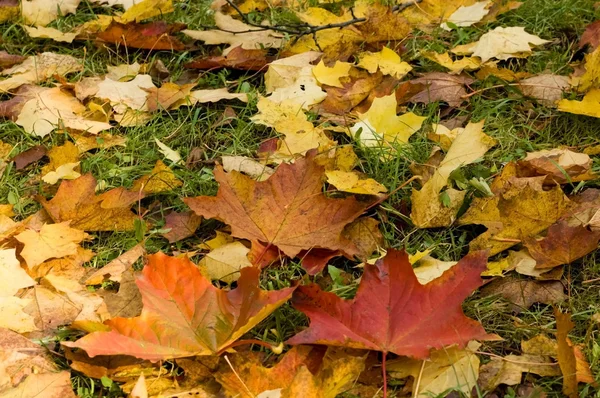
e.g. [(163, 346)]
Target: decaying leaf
[(42, 12), (467, 15), (522, 293), (546, 88), (292, 213), (151, 36), (560, 165), (181, 225), (38, 68), (225, 262), (455, 66), (509, 370), (160, 179), (204, 328), (441, 87), (408, 321)]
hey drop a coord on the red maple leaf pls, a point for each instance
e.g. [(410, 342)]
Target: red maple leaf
[(393, 312)]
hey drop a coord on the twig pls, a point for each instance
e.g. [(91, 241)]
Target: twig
[(305, 29), (238, 376), (404, 6), (418, 382)]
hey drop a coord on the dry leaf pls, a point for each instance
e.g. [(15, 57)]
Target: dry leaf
[(160, 179), (522, 293), (467, 15), (441, 87), (12, 276), (181, 225), (42, 12), (225, 262), (331, 75), (387, 61), (546, 88), (38, 68)]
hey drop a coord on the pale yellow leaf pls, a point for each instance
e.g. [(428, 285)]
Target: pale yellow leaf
[(42, 12), (62, 172), (349, 181), (41, 32), (331, 75), (12, 276), (224, 263), (386, 60), (468, 15)]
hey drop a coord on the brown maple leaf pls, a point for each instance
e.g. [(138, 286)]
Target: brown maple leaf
[(563, 244), (441, 87), (591, 36), (184, 319), (393, 312), (288, 210), (151, 36), (76, 201), (238, 58)]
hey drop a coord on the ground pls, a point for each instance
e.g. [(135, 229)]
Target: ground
[(516, 122)]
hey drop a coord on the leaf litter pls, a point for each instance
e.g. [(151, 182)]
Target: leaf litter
[(301, 223)]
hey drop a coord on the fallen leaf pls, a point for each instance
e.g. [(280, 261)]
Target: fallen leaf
[(85, 143), (441, 87), (12, 276), (427, 210), (42, 12), (303, 371), (126, 95), (349, 181), (355, 88), (292, 213), (225, 262), (588, 106), (167, 95), (331, 75), (204, 96), (139, 390), (455, 66), (50, 310), (54, 108), (76, 201), (447, 369), (560, 165), (491, 69), (160, 179), (429, 268), (52, 241), (236, 58), (546, 88), (509, 370), (589, 78), (571, 360), (522, 293), (380, 127), (168, 153), (39, 68), (13, 315), (63, 172), (252, 38), (146, 9), (519, 209), (424, 314), (467, 15), (113, 270), (289, 119), (245, 165), (127, 302), (9, 10), (155, 36), (47, 385), (590, 36), (562, 244), (203, 329), (29, 156), (41, 32), (181, 225), (502, 43), (386, 60)]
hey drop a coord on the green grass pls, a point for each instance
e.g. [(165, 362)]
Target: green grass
[(518, 123)]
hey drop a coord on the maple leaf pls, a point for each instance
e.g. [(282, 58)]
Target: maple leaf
[(303, 371), (393, 312), (502, 43), (331, 75), (180, 225), (76, 201), (536, 209), (590, 79), (355, 88), (38, 68), (591, 36), (560, 165), (386, 61), (150, 36), (441, 87), (237, 58), (467, 15), (523, 293), (160, 179), (225, 262), (455, 66), (546, 88), (427, 211), (12, 276), (380, 127), (563, 244), (588, 106), (204, 319), (292, 212), (52, 241), (50, 33), (42, 12)]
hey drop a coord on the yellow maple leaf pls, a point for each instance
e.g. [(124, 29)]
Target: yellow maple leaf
[(427, 210), (147, 9), (380, 126), (386, 60), (52, 241), (160, 179), (455, 66), (350, 181), (331, 76), (588, 106), (591, 76), (224, 262), (42, 12)]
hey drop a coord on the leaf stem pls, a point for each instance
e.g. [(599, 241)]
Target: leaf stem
[(384, 373)]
